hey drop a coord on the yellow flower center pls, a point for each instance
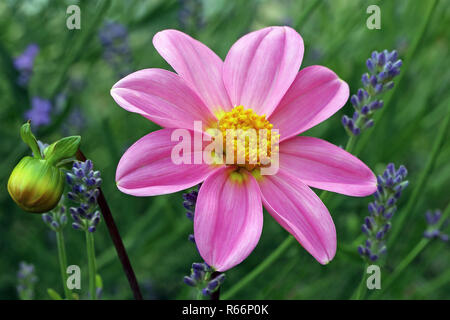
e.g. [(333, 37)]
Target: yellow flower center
[(248, 138)]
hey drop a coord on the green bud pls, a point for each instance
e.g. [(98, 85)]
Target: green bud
[(35, 185)]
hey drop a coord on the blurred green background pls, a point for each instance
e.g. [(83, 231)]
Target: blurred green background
[(75, 71)]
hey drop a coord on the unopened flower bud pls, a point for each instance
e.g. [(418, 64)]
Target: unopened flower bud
[(35, 185)]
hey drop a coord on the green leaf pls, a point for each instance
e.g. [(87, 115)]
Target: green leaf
[(30, 139), (62, 149), (53, 294)]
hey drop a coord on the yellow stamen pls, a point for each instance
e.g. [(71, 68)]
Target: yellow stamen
[(243, 126)]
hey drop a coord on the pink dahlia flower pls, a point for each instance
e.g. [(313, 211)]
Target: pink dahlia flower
[(261, 77)]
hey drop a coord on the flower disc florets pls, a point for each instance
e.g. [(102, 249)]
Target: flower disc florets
[(248, 138)]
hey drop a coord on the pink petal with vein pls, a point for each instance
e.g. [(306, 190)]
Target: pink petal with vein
[(300, 211), (314, 96), (147, 169), (323, 165), (260, 67), (198, 65), (161, 96), (228, 219)]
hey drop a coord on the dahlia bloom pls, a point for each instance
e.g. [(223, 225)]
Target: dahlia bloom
[(259, 84)]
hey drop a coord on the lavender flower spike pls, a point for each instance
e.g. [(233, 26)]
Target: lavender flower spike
[(84, 183), (435, 226), (383, 68), (24, 63), (378, 223)]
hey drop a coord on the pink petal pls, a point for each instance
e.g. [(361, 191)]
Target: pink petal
[(146, 168), (228, 219), (198, 65), (300, 211), (323, 165), (314, 96), (161, 96), (260, 67)]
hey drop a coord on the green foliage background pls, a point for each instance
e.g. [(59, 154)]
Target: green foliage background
[(155, 229)]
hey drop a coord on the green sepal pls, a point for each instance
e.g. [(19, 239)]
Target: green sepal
[(53, 294), (30, 139), (62, 149)]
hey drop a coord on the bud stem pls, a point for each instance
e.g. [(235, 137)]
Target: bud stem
[(63, 262)]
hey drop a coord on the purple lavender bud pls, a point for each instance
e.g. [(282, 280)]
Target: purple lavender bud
[(198, 266), (355, 116), (63, 219), (189, 281), (402, 171), (76, 226), (71, 196), (81, 212), (444, 237), (197, 275), (368, 243), (390, 168), (383, 75), (393, 55), (429, 217), (364, 229), (70, 178), (95, 221), (373, 80), (370, 65), (191, 238), (368, 222), (187, 204), (54, 224), (356, 131), (47, 218), (374, 105), (91, 229), (386, 228), (365, 110), (389, 182), (190, 215), (378, 88), (350, 125), (383, 250), (397, 64), (372, 208), (388, 214), (390, 202), (365, 79), (213, 285), (344, 120), (374, 55), (389, 85), (369, 123), (377, 195), (373, 257), (381, 59), (379, 235), (361, 250), (206, 292), (361, 95), (355, 100), (380, 188)]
